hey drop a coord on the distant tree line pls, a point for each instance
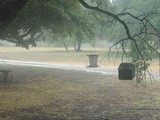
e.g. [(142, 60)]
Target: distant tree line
[(127, 23)]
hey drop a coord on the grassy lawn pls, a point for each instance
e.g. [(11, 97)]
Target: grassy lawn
[(58, 55), (36, 93), (48, 94)]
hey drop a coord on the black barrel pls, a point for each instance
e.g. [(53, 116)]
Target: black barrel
[(126, 71)]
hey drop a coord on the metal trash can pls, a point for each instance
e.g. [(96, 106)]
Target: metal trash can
[(93, 60), (126, 71)]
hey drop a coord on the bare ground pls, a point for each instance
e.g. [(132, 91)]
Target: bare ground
[(55, 94)]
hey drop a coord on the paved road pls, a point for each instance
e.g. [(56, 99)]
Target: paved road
[(104, 71), (101, 70)]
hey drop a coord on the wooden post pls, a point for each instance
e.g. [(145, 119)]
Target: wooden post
[(6, 75)]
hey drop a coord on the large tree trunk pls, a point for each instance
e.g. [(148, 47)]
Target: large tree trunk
[(79, 45), (65, 46), (75, 46)]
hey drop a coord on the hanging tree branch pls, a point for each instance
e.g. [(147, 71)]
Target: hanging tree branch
[(116, 17), (146, 24), (145, 28)]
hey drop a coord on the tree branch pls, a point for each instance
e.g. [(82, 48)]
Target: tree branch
[(109, 14)]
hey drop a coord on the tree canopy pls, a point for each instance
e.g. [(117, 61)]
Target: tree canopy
[(131, 22), (135, 30), (62, 17)]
